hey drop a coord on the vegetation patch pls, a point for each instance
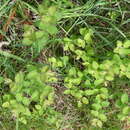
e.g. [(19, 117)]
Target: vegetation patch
[(64, 65)]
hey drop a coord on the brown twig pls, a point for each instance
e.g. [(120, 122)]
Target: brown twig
[(9, 20)]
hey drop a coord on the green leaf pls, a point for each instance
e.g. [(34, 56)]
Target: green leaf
[(118, 103), (109, 77), (20, 108), (88, 38), (52, 29), (124, 51), (104, 90), (87, 83), (52, 10), (95, 65), (128, 74), (38, 107), (27, 112), (94, 113), (81, 43), (71, 47), (99, 124), (23, 120), (65, 60), (19, 97), (85, 100), (32, 74), (105, 104), (123, 67), (72, 72), (83, 31), (96, 91), (126, 44), (5, 104), (121, 117), (78, 95), (48, 28), (96, 106), (52, 60), (67, 91), (39, 34), (79, 104), (79, 53), (124, 98), (126, 110), (27, 41), (59, 63), (26, 101), (89, 92), (35, 96), (80, 74), (19, 77), (119, 44), (104, 96), (102, 117), (76, 81), (98, 82)]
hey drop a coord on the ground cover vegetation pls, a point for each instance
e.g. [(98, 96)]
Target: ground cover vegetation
[(65, 64)]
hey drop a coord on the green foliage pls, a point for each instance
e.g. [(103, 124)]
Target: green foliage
[(31, 95), (88, 79), (1, 80), (39, 37)]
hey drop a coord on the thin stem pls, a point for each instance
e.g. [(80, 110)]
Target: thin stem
[(17, 123)]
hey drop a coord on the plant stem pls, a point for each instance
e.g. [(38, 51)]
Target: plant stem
[(17, 123)]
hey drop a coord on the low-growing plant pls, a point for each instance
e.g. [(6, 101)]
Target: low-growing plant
[(89, 79), (31, 95), (89, 74), (38, 34)]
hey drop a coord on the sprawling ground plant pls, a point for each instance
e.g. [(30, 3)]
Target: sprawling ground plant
[(38, 36), (63, 66), (31, 95), (90, 80)]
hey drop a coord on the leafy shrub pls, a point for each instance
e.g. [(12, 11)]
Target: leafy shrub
[(37, 35), (89, 79), (31, 95)]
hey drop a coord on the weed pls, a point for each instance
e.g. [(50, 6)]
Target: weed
[(65, 64)]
